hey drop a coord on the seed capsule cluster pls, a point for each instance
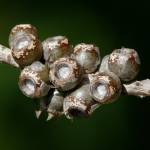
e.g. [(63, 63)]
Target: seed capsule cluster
[(68, 80)]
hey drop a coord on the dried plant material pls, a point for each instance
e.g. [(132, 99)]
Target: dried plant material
[(65, 74), (6, 56), (79, 103), (138, 88), (55, 48), (55, 107), (66, 80), (88, 56), (105, 87), (125, 63), (25, 45), (33, 80)]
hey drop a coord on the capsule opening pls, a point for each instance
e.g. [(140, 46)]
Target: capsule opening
[(100, 92), (63, 71), (22, 42), (28, 87), (77, 112)]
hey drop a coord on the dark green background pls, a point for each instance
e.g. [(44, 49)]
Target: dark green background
[(119, 126)]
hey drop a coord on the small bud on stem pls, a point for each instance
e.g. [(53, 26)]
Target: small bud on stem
[(55, 107)]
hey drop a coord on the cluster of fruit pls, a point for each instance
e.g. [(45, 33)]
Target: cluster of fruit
[(67, 80)]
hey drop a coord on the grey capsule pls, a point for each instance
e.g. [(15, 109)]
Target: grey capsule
[(105, 87), (79, 103), (125, 63), (33, 80), (65, 74), (55, 48), (21, 29), (25, 44), (88, 56)]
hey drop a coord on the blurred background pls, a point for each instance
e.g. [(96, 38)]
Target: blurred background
[(120, 126)]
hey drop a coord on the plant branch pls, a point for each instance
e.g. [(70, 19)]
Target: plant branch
[(138, 88), (6, 56)]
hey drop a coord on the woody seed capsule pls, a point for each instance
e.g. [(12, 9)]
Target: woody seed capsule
[(79, 103), (25, 44), (65, 74), (88, 56), (33, 80), (55, 107), (56, 47), (125, 63), (105, 87)]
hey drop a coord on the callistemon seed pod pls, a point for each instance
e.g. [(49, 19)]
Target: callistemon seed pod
[(25, 44), (33, 80), (88, 56), (104, 65), (65, 74), (55, 107), (79, 103), (56, 47), (125, 63), (105, 87)]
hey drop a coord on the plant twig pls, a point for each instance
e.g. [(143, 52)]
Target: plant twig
[(138, 88), (6, 56)]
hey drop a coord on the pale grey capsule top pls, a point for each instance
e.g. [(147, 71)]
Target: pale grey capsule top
[(88, 56), (55, 107), (21, 29), (65, 73), (125, 63), (56, 47)]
